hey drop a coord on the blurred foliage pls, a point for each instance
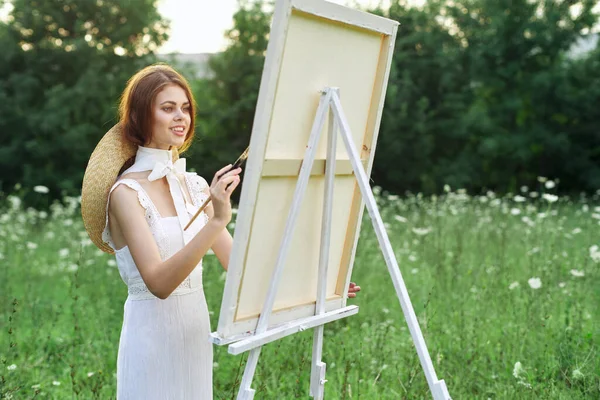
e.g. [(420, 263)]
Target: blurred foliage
[(63, 66), (482, 95), (227, 101)]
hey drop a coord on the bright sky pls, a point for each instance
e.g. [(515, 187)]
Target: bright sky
[(197, 26)]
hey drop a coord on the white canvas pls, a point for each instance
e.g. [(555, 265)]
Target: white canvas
[(314, 44)]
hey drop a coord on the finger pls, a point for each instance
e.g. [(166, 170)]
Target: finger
[(351, 295), (222, 184), (232, 187), (352, 284), (218, 173), (234, 171), (355, 289)]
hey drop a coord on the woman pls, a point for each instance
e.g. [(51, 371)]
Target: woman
[(139, 211)]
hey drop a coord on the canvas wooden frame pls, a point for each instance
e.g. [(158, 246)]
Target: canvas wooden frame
[(272, 167)]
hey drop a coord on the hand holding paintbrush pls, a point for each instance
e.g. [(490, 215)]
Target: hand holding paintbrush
[(238, 163)]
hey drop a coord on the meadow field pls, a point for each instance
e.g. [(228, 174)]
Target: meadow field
[(506, 290)]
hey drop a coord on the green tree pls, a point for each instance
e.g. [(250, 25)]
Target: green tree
[(473, 97), (63, 66), (227, 101)]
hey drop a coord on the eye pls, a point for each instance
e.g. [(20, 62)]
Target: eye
[(167, 109)]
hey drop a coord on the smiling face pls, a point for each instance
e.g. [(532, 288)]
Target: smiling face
[(171, 118)]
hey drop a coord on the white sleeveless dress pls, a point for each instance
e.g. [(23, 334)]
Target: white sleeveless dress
[(164, 349)]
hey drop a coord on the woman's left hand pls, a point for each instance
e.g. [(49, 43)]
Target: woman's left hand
[(352, 290)]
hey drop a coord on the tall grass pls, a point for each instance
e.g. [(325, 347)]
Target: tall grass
[(506, 291)]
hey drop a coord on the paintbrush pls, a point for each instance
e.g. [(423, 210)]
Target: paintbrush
[(238, 163)]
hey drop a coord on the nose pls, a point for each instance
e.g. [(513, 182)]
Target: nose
[(178, 115)]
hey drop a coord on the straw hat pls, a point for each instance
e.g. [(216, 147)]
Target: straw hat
[(109, 157)]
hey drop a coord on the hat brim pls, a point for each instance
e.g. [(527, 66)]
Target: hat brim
[(102, 171)]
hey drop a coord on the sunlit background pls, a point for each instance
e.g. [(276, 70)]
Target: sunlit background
[(487, 175)]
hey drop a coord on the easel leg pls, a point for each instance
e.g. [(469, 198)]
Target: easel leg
[(437, 387), (245, 392), (317, 378)]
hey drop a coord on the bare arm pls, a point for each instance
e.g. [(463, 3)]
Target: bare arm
[(163, 277)]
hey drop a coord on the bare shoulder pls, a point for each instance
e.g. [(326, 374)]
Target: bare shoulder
[(125, 198), (140, 177), (122, 198)]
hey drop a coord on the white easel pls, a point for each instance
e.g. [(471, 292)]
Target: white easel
[(329, 101)]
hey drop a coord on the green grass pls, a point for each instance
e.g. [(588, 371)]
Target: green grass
[(61, 314)]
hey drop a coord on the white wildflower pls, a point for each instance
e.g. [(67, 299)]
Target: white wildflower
[(400, 218), (36, 386), (515, 211), (533, 195), (32, 246), (111, 263), (56, 383), (14, 201), (447, 188), (72, 267), (414, 270), (12, 367), (519, 199), (524, 189), (549, 184), (393, 197), (542, 215), (595, 253), (421, 231), (577, 273), (40, 189), (68, 222), (412, 258), (561, 284), (535, 283), (576, 231), (90, 374), (63, 253), (550, 198), (43, 214), (518, 370), (542, 179), (577, 374), (528, 221), (513, 285), (596, 216), (50, 235)]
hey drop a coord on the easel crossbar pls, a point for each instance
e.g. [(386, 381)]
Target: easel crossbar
[(290, 328)]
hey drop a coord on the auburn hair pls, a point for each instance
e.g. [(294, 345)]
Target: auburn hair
[(135, 108)]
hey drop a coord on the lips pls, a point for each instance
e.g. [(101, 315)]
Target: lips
[(178, 130)]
